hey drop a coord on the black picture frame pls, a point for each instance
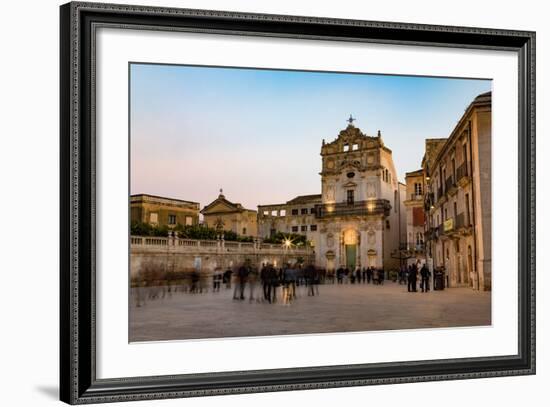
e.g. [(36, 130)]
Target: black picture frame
[(78, 382)]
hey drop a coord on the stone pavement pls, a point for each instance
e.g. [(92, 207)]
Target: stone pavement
[(338, 308)]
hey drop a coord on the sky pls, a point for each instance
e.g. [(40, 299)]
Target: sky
[(257, 133)]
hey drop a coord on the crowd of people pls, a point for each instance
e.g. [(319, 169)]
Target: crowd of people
[(268, 283), (365, 275), (271, 280)]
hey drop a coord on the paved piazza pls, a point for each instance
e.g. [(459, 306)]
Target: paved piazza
[(338, 308)]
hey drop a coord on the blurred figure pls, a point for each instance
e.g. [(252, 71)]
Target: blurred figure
[(358, 275), (425, 279), (273, 276), (340, 275), (216, 279), (242, 276), (369, 275), (311, 280), (264, 277), (402, 274), (253, 276), (227, 277), (411, 287)]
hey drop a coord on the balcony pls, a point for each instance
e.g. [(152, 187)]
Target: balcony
[(441, 197), (463, 224), (450, 186), (462, 174), (359, 208)]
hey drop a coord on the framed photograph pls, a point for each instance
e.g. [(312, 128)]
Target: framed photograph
[(255, 203)]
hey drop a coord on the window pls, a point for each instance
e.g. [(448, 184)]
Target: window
[(313, 228), (303, 228), (464, 153), (355, 147), (294, 228), (272, 232), (295, 211), (387, 224), (171, 219), (346, 147), (350, 196), (244, 231), (395, 201), (188, 221), (446, 217), (417, 188), (273, 213), (282, 212), (304, 211), (454, 209), (312, 211), (454, 169), (153, 217)]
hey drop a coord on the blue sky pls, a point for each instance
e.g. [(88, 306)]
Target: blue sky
[(257, 133)]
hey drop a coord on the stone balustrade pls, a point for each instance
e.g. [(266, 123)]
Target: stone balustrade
[(175, 244)]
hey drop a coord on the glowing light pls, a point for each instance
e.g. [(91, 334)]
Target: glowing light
[(370, 206)]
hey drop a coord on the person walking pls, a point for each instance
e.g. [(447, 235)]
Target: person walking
[(425, 279), (340, 275)]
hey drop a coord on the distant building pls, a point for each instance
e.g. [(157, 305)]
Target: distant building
[(161, 211), (458, 199), (357, 220), (225, 215), (415, 216), (295, 216)]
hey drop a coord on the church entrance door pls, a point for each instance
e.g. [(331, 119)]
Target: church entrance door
[(351, 255)]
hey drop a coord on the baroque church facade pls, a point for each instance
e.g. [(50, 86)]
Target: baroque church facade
[(359, 218)]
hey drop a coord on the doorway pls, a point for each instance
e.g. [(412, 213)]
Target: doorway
[(351, 255)]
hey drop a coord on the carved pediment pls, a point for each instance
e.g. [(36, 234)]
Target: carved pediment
[(350, 184)]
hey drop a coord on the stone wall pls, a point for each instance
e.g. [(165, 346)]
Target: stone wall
[(172, 254)]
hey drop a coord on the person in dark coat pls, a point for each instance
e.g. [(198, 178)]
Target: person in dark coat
[(369, 275), (243, 276), (266, 283), (358, 275), (425, 279), (273, 283), (411, 287), (340, 275)]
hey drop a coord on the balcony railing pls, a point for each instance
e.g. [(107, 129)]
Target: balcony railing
[(417, 197), (359, 208), (462, 171), (462, 221), (450, 184)]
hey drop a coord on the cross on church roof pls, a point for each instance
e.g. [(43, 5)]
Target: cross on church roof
[(351, 119)]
